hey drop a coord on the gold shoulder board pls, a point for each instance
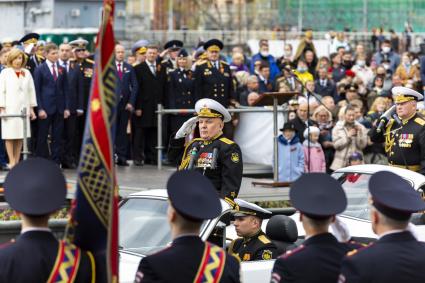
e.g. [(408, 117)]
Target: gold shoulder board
[(226, 140)]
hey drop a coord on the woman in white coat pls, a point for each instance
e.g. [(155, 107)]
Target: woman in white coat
[(17, 92)]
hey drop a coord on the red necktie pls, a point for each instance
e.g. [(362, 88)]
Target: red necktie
[(55, 75), (119, 71)]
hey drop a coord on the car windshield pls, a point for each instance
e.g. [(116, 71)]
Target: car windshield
[(356, 188), (143, 225)]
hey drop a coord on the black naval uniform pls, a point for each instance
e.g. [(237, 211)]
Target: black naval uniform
[(32, 256), (180, 263), (257, 247), (180, 95), (226, 177), (214, 83), (33, 61), (396, 257), (86, 69), (317, 260), (405, 146)]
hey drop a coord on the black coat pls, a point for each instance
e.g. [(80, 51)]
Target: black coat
[(405, 146), (180, 263), (87, 69), (226, 177), (32, 256), (257, 247), (328, 90), (394, 258), (318, 260), (214, 83), (181, 89), (151, 92)]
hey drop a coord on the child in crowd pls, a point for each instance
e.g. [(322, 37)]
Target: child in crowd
[(356, 158), (290, 154), (314, 159)]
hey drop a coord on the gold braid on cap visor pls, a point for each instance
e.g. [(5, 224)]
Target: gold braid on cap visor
[(214, 48), (141, 50), (403, 98), (207, 113), (32, 40)]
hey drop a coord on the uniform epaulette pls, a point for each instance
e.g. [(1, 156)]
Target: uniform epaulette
[(201, 62), (224, 62), (164, 61), (291, 252), (264, 239), (226, 140), (420, 121), (40, 57), (370, 112), (90, 61)]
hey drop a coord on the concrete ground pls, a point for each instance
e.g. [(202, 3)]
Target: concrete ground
[(134, 179)]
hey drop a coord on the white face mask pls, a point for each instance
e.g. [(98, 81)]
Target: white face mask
[(288, 54), (386, 49)]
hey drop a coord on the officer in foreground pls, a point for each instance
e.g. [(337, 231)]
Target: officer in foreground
[(192, 199), (253, 244), (213, 155), (36, 188), (405, 141), (319, 198), (397, 256)]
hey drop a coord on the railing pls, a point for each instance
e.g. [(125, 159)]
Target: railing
[(161, 111), (23, 116)]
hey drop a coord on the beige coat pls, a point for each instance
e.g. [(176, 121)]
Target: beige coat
[(345, 145), (16, 94)]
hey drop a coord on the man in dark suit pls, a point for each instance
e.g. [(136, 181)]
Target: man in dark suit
[(319, 258), (302, 120), (397, 256), (34, 256), (75, 83), (324, 86), (51, 88), (151, 78), (126, 91), (189, 259)]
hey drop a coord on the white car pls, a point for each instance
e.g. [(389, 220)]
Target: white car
[(144, 228)]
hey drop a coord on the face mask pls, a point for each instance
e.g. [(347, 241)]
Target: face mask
[(288, 54), (361, 63), (264, 53), (386, 49), (406, 62), (386, 66), (301, 69)]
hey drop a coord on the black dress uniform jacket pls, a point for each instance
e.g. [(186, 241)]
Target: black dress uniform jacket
[(318, 260), (214, 83), (180, 95), (180, 263), (394, 258), (405, 146), (226, 177), (257, 247), (32, 257)]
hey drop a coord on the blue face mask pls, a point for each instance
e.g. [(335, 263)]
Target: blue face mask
[(302, 69)]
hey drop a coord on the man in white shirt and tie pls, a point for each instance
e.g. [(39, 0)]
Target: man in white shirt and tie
[(323, 85), (53, 102)]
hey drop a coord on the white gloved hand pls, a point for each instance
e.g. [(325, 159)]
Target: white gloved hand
[(340, 230), (29, 48), (186, 128)]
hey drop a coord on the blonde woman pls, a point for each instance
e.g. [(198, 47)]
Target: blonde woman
[(16, 93)]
